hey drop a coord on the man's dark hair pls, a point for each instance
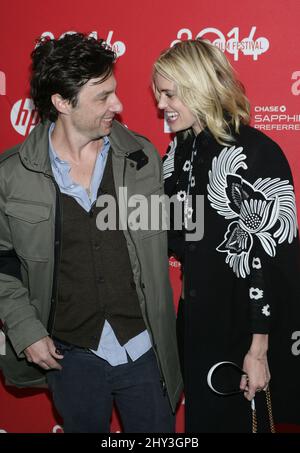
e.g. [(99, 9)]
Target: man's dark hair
[(63, 66)]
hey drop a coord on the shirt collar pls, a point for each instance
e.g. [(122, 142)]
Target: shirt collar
[(56, 161)]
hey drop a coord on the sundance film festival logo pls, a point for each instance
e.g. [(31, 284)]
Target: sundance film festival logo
[(295, 89), (57, 429), (173, 262), (118, 46), (24, 116), (2, 84), (231, 42)]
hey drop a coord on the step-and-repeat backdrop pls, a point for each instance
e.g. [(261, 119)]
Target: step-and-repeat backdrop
[(261, 38)]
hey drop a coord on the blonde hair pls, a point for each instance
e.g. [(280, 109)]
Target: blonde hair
[(207, 85)]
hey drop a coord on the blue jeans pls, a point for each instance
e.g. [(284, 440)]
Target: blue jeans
[(87, 386)]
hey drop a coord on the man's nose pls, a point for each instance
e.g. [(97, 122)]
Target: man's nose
[(117, 106)]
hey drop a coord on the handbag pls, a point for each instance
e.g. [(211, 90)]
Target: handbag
[(266, 392)]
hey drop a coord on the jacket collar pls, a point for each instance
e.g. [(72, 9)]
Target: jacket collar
[(34, 151), (123, 140)]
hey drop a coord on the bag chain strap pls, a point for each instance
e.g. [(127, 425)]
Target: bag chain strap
[(270, 413)]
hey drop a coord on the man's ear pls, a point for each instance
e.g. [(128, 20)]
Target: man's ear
[(62, 105)]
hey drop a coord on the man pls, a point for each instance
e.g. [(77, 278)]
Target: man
[(89, 309)]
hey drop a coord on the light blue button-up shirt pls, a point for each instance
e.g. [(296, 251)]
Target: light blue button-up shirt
[(109, 348)]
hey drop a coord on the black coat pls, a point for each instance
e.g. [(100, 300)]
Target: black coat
[(241, 278)]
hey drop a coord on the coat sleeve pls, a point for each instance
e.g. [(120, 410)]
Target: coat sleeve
[(277, 242), (258, 295), (17, 312), (269, 200)]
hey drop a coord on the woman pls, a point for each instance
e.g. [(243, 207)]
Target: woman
[(241, 279)]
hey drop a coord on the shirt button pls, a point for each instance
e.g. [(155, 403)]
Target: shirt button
[(192, 247), (97, 246), (100, 280)]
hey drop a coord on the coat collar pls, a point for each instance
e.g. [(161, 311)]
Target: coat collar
[(34, 150), (123, 141), (35, 155)]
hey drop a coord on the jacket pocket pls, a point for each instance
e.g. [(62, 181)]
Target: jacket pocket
[(30, 228), (155, 216)]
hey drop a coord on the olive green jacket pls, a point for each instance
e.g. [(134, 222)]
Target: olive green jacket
[(29, 252)]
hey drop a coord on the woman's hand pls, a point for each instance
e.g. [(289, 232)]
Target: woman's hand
[(256, 367)]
